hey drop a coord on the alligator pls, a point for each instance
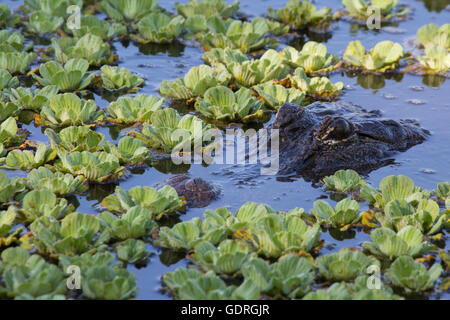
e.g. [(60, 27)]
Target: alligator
[(322, 138)]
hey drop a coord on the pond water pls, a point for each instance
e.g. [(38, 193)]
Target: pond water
[(427, 164)]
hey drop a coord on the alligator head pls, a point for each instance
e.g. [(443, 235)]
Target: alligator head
[(325, 137)]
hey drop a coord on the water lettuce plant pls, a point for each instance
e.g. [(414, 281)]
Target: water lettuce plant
[(57, 182), (227, 258), (106, 283), (8, 216), (388, 244), (31, 99), (69, 110), (384, 56), (344, 265), (52, 7), (132, 251), (129, 150), (236, 34), (300, 14), (16, 62), (89, 47), (43, 202), (188, 284), (7, 19), (29, 276), (343, 216), (275, 95), (318, 87), (127, 110), (28, 159), (9, 188), (432, 34), (290, 276), (70, 77), (93, 25), (313, 58), (12, 41), (41, 22), (276, 235), (135, 223), (359, 9), (256, 71), (195, 83), (75, 139), (343, 181), (435, 60), (94, 166), (158, 202), (117, 79), (10, 134), (158, 28), (393, 188), (222, 104), (413, 276), (75, 234), (426, 216), (7, 81), (164, 122), (127, 10), (207, 8)]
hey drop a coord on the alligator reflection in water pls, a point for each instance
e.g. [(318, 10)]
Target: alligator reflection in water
[(325, 137)]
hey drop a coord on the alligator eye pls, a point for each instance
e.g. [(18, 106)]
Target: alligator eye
[(341, 128)]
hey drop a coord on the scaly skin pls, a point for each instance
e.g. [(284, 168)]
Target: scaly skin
[(322, 138)]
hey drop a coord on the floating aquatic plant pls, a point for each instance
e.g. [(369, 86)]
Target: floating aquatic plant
[(41, 22), (135, 223), (28, 159), (207, 8), (69, 110), (31, 99), (89, 47), (75, 139), (30, 276), (318, 87), (94, 166), (432, 34), (290, 276), (158, 28), (59, 183), (75, 234), (9, 188), (384, 56), (344, 265), (344, 181), (413, 276), (222, 104), (108, 284), (313, 58), (344, 215), (132, 251), (160, 133), (275, 95), (129, 150), (386, 243), (435, 60), (16, 62), (117, 79), (7, 19), (127, 110), (360, 9), (70, 77), (300, 14), (91, 24), (52, 7), (43, 203), (195, 83), (7, 81), (128, 10), (10, 134), (157, 202), (7, 217)]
